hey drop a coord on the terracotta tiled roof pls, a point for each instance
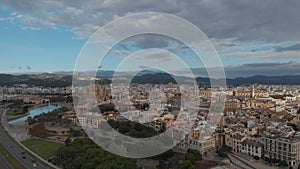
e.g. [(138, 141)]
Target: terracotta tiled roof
[(249, 142), (237, 137)]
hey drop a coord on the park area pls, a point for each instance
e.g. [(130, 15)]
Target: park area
[(14, 112), (43, 148)]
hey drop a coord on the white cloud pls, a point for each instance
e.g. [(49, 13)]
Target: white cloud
[(227, 23), (244, 20)]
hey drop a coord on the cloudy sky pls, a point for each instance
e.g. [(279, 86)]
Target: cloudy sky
[(251, 36)]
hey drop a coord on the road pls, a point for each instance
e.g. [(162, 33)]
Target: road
[(237, 161), (4, 163), (15, 151), (254, 163)]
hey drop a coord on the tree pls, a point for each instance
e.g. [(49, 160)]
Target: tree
[(187, 165), (68, 141), (193, 156), (267, 159), (76, 163), (283, 163), (138, 127), (256, 158), (223, 151), (145, 106), (275, 161), (164, 156), (84, 153), (124, 129), (74, 133)]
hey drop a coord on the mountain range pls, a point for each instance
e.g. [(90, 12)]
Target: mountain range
[(63, 80)]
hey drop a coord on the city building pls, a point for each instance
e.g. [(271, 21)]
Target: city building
[(285, 149)]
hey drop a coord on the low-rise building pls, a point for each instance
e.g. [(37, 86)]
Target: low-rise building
[(237, 140), (204, 146), (228, 140), (252, 148)]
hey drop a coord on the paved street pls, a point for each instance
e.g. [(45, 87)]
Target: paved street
[(4, 163), (15, 151), (245, 162), (239, 162), (255, 163)]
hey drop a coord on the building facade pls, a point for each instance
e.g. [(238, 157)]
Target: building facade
[(285, 149)]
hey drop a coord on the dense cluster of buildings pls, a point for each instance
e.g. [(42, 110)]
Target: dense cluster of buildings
[(31, 94), (264, 125), (261, 121)]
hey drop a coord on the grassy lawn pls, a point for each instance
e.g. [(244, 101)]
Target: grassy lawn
[(13, 162), (43, 148), (14, 112)]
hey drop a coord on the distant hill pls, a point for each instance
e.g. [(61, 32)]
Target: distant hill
[(61, 80), (45, 79), (105, 74), (162, 78), (260, 79), (156, 78)]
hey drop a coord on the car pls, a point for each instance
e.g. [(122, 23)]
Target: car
[(34, 165), (22, 152), (24, 157)]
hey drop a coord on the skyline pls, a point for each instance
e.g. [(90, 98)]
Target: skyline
[(41, 37)]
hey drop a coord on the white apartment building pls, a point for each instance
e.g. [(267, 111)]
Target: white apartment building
[(252, 148), (287, 149), (237, 140), (204, 146), (90, 121)]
